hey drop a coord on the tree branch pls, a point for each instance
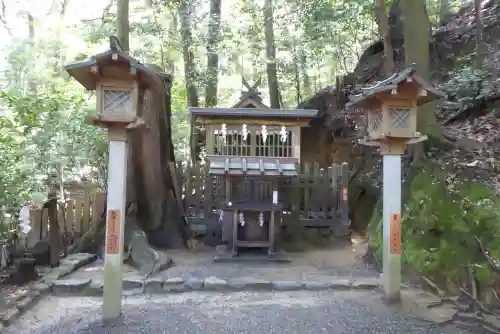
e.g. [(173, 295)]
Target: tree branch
[(3, 20), (494, 264)]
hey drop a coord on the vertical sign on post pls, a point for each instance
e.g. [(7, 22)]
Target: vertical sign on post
[(113, 237), (395, 234)]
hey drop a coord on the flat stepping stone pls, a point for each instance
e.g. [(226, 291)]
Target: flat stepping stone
[(214, 283), (287, 285), (174, 284), (72, 286), (248, 283)]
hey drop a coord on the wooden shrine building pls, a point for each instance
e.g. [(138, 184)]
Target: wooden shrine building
[(252, 165)]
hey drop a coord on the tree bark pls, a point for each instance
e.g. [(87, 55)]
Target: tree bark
[(396, 25), (272, 71), (383, 26), (190, 72), (444, 11), (122, 23), (54, 231), (32, 87), (416, 43), (151, 182), (306, 85), (212, 56), (480, 43)]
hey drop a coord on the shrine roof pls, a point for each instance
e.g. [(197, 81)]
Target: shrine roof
[(252, 166), (393, 82), (254, 112)]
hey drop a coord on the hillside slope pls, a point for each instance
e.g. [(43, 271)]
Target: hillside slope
[(452, 208)]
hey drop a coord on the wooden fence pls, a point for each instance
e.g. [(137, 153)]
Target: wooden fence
[(76, 217), (316, 198)]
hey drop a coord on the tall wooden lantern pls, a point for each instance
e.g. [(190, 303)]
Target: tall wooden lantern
[(119, 81), (250, 149), (391, 108)]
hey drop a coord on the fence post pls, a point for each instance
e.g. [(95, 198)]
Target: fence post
[(35, 234), (307, 190), (54, 231), (208, 191), (296, 191)]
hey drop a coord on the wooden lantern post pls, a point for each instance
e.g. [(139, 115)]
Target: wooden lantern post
[(115, 77), (391, 108)]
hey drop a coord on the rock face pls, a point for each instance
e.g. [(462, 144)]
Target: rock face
[(146, 258)]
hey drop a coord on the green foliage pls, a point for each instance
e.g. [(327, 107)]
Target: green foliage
[(466, 85), (439, 223), (43, 138)]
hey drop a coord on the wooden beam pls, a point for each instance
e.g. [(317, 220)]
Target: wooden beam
[(226, 165), (244, 165), (278, 166)]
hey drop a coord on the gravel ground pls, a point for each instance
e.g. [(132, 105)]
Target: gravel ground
[(339, 261), (205, 313)]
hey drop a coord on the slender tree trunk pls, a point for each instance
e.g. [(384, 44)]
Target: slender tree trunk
[(444, 11), (306, 85), (480, 43), (416, 43), (297, 83), (64, 7), (383, 27), (32, 89), (212, 56), (122, 23), (272, 71), (190, 72), (54, 232)]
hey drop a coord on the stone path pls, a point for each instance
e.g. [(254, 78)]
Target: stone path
[(26, 296), (337, 272)]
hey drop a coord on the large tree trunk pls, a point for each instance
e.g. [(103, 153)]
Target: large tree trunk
[(212, 56), (272, 72), (416, 42), (152, 178), (383, 27)]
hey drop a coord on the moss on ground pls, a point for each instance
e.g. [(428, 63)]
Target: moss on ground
[(439, 222)]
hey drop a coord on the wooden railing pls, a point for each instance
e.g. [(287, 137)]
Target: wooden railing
[(317, 197), (74, 218)]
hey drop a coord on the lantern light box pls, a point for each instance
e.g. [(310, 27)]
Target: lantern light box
[(119, 81), (391, 105)]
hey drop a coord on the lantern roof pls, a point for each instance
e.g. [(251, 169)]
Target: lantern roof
[(407, 76), (116, 56)]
